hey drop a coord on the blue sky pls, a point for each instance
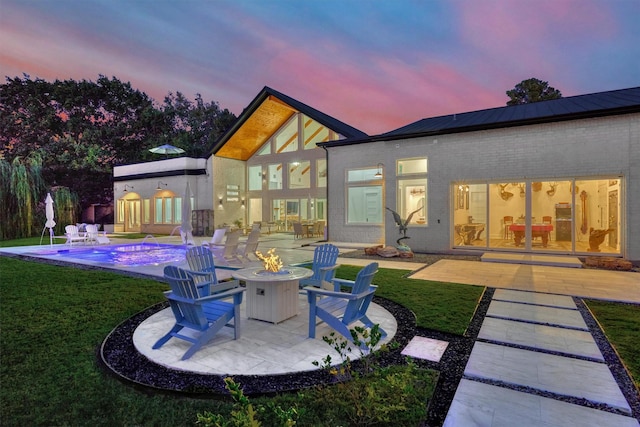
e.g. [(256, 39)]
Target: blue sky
[(376, 65)]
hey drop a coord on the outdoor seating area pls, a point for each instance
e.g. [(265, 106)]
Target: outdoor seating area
[(86, 234)]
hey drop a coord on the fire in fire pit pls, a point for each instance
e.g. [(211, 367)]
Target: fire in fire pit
[(271, 261)]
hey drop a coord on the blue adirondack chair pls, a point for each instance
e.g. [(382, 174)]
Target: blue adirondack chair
[(342, 309), (324, 266), (202, 265), (207, 315)]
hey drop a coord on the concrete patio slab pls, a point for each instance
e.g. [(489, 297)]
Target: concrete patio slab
[(534, 298), (550, 260), (537, 313), (550, 338), (479, 404), (546, 372)]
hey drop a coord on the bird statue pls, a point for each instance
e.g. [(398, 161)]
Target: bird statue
[(403, 224)]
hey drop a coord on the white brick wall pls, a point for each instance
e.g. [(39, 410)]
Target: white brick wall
[(587, 148)]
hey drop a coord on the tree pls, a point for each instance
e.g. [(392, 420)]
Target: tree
[(532, 90), (81, 129)]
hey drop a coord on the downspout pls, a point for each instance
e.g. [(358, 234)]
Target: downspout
[(326, 155)]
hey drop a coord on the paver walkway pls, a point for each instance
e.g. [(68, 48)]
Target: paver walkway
[(533, 358)]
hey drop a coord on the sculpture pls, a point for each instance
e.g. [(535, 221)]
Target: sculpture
[(596, 237), (403, 224)]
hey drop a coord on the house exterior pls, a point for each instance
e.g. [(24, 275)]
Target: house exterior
[(558, 177), (266, 168)]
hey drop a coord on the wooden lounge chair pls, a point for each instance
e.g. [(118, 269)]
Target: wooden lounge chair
[(217, 238), (206, 315), (341, 309), (250, 246), (73, 234), (229, 251), (203, 268), (324, 266)]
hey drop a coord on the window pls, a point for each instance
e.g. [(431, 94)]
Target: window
[(314, 132), (255, 178), (321, 170), (411, 166), (412, 190), (287, 139), (167, 210), (159, 215), (146, 211), (275, 176), (299, 174), (364, 197), (266, 149), (177, 205), (120, 211)]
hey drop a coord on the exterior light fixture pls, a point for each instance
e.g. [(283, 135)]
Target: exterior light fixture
[(379, 173), (220, 201), (243, 203), (160, 184), (125, 188)]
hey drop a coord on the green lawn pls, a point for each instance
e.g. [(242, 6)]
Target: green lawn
[(53, 318), (621, 324)]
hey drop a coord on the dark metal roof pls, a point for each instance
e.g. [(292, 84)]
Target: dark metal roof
[(322, 118), (615, 102)]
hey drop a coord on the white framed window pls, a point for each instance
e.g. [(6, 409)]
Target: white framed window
[(275, 176), (412, 192), (364, 196), (300, 174)]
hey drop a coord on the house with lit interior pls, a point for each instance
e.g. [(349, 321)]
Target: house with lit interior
[(557, 177), (266, 168)]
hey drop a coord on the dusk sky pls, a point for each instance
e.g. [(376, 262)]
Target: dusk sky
[(376, 65)]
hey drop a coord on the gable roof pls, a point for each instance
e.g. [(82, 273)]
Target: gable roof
[(268, 111), (600, 104)]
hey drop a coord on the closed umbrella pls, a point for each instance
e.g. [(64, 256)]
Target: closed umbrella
[(167, 149), (186, 226), (50, 221)]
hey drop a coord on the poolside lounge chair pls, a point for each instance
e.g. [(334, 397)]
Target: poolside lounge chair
[(250, 246), (93, 235), (227, 252), (324, 266), (342, 309), (73, 235), (206, 315), (217, 238), (202, 265)]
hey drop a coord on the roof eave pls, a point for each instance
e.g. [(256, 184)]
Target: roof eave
[(475, 128)]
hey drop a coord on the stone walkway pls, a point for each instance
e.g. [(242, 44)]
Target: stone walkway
[(535, 363)]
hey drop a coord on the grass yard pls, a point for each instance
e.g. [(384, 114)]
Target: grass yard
[(621, 324), (53, 319)]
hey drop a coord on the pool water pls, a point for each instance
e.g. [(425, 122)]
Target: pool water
[(128, 255)]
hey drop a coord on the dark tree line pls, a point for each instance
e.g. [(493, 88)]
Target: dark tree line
[(81, 129)]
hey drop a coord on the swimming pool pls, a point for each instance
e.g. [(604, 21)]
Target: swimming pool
[(129, 255)]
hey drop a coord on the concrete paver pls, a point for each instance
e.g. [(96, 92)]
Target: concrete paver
[(550, 338), (479, 404), (537, 313), (546, 372), (534, 298)]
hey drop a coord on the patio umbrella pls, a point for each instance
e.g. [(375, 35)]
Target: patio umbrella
[(50, 222), (186, 226), (166, 149)]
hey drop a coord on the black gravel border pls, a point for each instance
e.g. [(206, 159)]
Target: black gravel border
[(119, 357)]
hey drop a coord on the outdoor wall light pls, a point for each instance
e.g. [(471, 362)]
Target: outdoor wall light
[(220, 201), (160, 184), (125, 188), (379, 173), (243, 203)]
